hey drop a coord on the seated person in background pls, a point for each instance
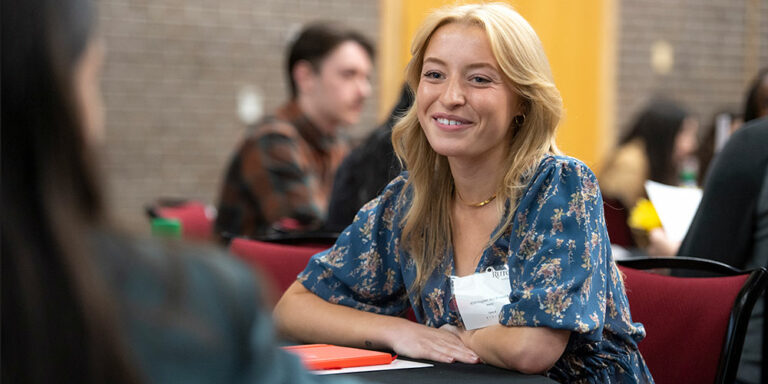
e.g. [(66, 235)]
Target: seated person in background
[(366, 170), (755, 107), (661, 143), (661, 139), (731, 224), (485, 187), (282, 173), (81, 303)]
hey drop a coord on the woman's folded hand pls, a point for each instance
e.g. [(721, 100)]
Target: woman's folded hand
[(421, 342)]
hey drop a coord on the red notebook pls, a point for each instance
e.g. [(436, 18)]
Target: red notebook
[(326, 356)]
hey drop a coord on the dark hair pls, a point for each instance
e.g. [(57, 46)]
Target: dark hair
[(658, 125), (56, 325), (315, 42), (706, 151), (751, 101)]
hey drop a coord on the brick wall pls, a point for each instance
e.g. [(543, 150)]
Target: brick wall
[(715, 54), (171, 79)]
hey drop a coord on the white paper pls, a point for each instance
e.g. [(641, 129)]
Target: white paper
[(481, 296), (395, 364), (676, 207)]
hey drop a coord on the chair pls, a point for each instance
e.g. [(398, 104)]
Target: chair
[(196, 218), (616, 215), (695, 325), (278, 264)]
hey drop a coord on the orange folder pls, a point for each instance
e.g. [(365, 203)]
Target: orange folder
[(326, 356)]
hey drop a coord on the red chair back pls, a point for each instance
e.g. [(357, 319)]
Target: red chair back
[(686, 321), (196, 221), (616, 216), (278, 264)]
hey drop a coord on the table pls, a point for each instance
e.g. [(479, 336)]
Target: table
[(443, 373)]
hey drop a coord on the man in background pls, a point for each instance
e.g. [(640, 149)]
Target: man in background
[(281, 176)]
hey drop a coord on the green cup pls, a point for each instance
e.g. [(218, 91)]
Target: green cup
[(168, 228)]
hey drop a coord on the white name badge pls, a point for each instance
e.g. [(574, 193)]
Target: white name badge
[(480, 297)]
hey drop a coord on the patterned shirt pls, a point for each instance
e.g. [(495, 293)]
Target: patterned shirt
[(562, 273), (284, 169)]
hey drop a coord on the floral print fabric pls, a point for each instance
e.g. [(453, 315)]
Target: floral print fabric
[(562, 273)]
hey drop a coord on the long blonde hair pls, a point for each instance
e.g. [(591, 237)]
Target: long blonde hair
[(427, 223)]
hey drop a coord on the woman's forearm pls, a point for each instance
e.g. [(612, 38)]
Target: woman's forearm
[(524, 349), (305, 317)]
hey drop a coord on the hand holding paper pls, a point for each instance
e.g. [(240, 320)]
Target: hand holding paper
[(676, 207)]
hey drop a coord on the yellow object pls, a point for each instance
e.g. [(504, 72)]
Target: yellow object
[(579, 39), (643, 216)]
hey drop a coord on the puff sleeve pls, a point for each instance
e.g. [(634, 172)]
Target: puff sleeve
[(558, 252), (362, 269)]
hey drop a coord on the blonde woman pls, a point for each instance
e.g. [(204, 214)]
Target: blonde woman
[(485, 187)]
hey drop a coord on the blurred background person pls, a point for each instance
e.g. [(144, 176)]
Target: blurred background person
[(755, 104), (81, 303), (281, 175), (660, 140), (366, 170), (660, 143)]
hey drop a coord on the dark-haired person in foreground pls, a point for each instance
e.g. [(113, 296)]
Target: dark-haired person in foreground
[(81, 303), (281, 175)]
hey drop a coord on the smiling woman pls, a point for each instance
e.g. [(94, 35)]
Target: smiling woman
[(463, 100), (485, 189)]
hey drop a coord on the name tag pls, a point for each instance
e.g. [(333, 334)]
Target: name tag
[(480, 297)]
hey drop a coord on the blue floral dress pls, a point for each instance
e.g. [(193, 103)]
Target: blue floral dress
[(562, 273)]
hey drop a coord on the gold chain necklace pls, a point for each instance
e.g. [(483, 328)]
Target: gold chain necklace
[(476, 205)]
